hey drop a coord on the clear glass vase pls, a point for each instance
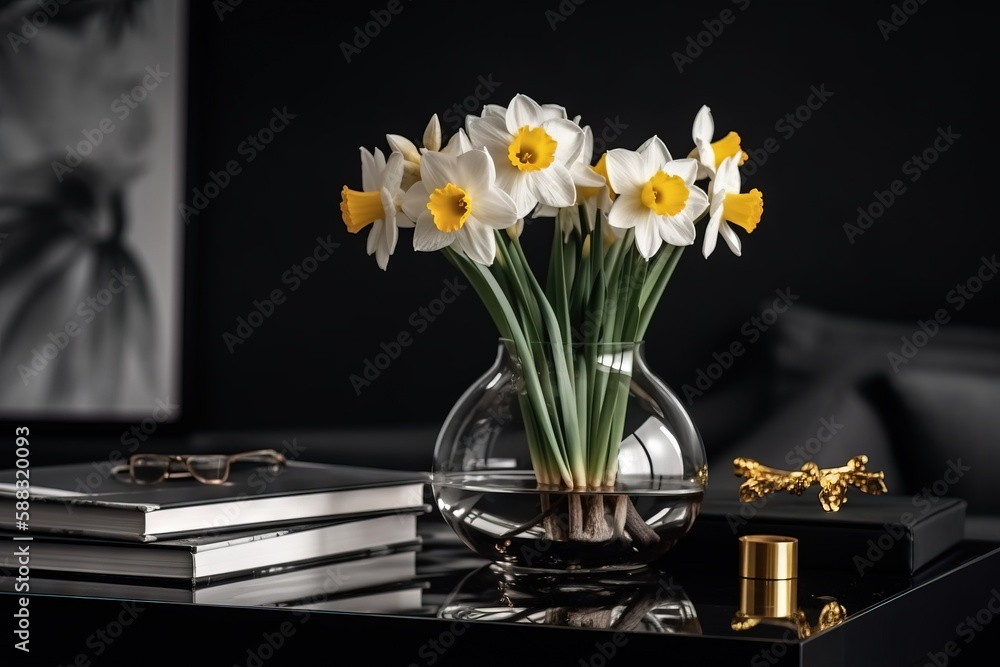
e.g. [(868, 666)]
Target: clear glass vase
[(569, 458)]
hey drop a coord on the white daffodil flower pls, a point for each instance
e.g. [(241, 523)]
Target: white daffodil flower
[(377, 203), (457, 201), (710, 155), (532, 149), (729, 206), (656, 195), (411, 155)]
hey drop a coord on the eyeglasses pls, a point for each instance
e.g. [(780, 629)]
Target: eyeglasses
[(206, 468)]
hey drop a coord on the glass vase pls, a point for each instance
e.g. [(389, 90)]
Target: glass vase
[(569, 458)]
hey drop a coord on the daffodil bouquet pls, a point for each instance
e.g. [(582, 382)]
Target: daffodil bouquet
[(620, 226)]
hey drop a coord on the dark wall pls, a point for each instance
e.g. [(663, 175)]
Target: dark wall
[(886, 94)]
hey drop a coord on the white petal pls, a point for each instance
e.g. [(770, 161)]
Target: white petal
[(494, 110), (415, 201), (390, 234), (554, 111), (458, 144), (523, 111), (732, 240), (514, 182), (711, 233), (427, 237), (587, 152), (655, 155), (474, 171), (492, 134), (728, 175), (403, 221), (604, 201), (569, 139), (705, 155), (379, 160), (403, 145), (494, 208), (717, 198), (704, 126), (393, 174), (647, 235), (477, 240), (685, 168), (625, 171), (696, 204), (544, 211), (437, 170), (388, 198), (375, 236), (675, 231), (627, 211), (369, 174), (584, 176), (553, 185), (432, 134)]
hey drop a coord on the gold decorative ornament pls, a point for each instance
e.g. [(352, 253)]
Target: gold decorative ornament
[(762, 480)]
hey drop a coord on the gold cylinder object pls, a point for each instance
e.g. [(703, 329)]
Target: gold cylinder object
[(769, 557)]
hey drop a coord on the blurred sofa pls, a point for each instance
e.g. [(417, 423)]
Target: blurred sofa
[(923, 402)]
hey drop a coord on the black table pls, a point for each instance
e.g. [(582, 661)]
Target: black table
[(947, 613)]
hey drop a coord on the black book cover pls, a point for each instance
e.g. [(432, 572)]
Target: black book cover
[(890, 533)]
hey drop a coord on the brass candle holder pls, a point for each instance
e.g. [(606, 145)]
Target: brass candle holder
[(762, 480)]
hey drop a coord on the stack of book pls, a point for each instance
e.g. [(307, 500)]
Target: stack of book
[(305, 535)]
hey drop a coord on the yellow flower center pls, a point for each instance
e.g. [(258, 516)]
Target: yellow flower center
[(744, 209), (601, 168), (665, 194), (451, 207), (727, 146), (532, 149), (360, 209)]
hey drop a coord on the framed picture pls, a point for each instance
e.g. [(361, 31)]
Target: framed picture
[(92, 115)]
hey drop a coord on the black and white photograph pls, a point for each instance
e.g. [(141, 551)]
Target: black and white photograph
[(91, 159)]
